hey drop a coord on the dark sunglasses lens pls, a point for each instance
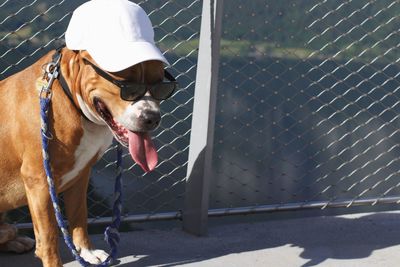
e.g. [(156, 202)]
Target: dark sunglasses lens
[(133, 92), (163, 91)]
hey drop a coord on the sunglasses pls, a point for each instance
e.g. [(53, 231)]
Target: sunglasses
[(132, 91)]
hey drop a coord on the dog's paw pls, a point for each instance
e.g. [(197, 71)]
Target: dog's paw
[(93, 256), (7, 232), (20, 244)]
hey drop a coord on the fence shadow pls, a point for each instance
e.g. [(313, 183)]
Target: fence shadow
[(308, 242), (319, 239)]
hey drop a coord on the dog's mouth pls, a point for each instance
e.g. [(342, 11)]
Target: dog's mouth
[(140, 145)]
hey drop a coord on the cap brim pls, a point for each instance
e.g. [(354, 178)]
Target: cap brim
[(124, 55)]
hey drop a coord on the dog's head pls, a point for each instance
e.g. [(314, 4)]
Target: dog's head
[(127, 102)]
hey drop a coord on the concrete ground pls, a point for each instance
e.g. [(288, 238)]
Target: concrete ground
[(352, 240)]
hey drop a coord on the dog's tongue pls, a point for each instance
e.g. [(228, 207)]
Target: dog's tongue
[(142, 150)]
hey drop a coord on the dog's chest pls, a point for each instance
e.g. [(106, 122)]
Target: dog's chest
[(94, 141)]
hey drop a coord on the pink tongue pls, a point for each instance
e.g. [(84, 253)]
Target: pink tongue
[(142, 150)]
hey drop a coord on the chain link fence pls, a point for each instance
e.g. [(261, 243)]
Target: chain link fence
[(307, 103)]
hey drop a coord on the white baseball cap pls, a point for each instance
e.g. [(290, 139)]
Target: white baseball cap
[(116, 33)]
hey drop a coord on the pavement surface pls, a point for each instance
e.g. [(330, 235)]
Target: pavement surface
[(357, 240)]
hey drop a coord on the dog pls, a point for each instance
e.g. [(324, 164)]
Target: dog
[(82, 127)]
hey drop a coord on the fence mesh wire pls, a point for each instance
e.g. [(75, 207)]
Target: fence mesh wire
[(307, 108), (308, 103), (29, 29)]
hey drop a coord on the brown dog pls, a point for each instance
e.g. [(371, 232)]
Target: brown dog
[(77, 143)]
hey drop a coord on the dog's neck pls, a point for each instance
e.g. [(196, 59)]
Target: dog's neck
[(72, 70)]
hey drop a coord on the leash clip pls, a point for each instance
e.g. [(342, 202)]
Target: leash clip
[(51, 71)]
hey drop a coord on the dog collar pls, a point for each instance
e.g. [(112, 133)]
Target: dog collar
[(63, 83)]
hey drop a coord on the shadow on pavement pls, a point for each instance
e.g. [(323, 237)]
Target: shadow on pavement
[(316, 239)]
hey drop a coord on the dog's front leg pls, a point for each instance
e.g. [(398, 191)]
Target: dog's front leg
[(76, 209), (44, 222)]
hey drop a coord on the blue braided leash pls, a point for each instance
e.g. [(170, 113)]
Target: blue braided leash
[(111, 234)]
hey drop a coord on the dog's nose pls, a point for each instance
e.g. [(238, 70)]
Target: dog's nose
[(149, 120)]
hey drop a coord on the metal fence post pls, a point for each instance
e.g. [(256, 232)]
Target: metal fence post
[(195, 214)]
